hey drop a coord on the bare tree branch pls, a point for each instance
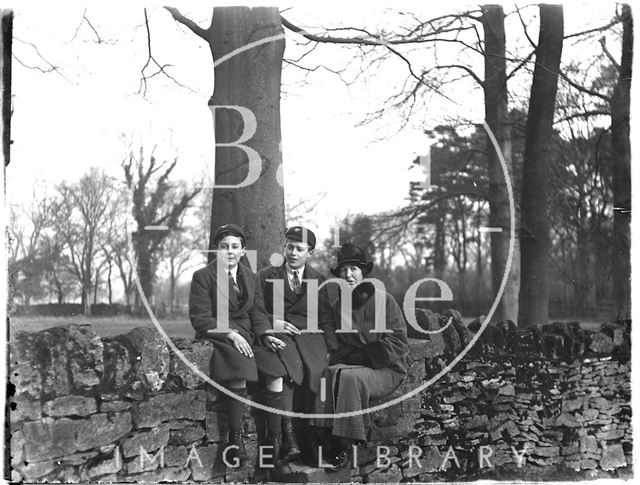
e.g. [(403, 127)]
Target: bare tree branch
[(583, 114), (603, 43), (595, 29), (151, 59), (583, 89), (83, 20), (524, 28), (190, 24), (52, 68)]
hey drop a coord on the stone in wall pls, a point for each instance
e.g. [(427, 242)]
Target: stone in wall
[(600, 343), (49, 438), (102, 465), (197, 353), (102, 429), (612, 457), (147, 441), (202, 463), (51, 352), (70, 406), (150, 358), (186, 434), (23, 409), (171, 406), (430, 321), (24, 373), (176, 456), (564, 340), (85, 352), (118, 370)]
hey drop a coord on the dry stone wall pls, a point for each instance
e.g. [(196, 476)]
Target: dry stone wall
[(126, 409)]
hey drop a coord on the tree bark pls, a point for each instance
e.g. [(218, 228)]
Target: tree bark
[(109, 289), (439, 257), (621, 156), (6, 37), (535, 232), (250, 79), (497, 117), (95, 287), (172, 288)]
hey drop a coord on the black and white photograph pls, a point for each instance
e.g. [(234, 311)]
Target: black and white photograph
[(336, 242)]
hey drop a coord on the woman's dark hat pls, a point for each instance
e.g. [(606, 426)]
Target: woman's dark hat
[(351, 254), (228, 230), (301, 234)]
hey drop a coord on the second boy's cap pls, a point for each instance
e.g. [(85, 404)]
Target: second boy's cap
[(301, 234), (228, 230)]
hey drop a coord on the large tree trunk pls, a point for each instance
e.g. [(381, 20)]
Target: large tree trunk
[(586, 300), (109, 289), (172, 289), (535, 236), (621, 155), (250, 79), (439, 257), (497, 117), (95, 287), (144, 267), (6, 37)]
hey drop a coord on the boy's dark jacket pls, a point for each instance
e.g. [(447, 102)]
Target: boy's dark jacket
[(227, 363), (305, 356)]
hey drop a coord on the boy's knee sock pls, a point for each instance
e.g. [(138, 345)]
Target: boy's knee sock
[(235, 410), (287, 397), (274, 419)]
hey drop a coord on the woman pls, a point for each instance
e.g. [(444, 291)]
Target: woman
[(364, 364), (233, 362)]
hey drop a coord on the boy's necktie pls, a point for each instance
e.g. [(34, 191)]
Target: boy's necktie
[(297, 286), (236, 288)]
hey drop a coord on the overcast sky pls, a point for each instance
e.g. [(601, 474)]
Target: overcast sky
[(83, 113)]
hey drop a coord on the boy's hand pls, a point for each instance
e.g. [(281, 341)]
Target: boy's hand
[(289, 328), (240, 344), (274, 343)]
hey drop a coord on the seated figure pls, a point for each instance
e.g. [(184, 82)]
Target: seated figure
[(364, 364)]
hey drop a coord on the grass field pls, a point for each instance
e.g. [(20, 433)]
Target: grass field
[(104, 326)]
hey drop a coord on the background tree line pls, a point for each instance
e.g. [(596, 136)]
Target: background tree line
[(561, 128), (85, 239)]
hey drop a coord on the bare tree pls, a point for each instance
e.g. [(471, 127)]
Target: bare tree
[(621, 154), (85, 209), (497, 117), (251, 80), (157, 207), (427, 34), (535, 232), (179, 254), (31, 253), (6, 38)]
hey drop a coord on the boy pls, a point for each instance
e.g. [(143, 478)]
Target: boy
[(233, 362), (289, 357)]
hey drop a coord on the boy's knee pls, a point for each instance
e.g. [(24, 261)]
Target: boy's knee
[(274, 384)]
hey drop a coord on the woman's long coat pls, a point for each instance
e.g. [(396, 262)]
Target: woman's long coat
[(227, 362), (378, 349), (305, 356)]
